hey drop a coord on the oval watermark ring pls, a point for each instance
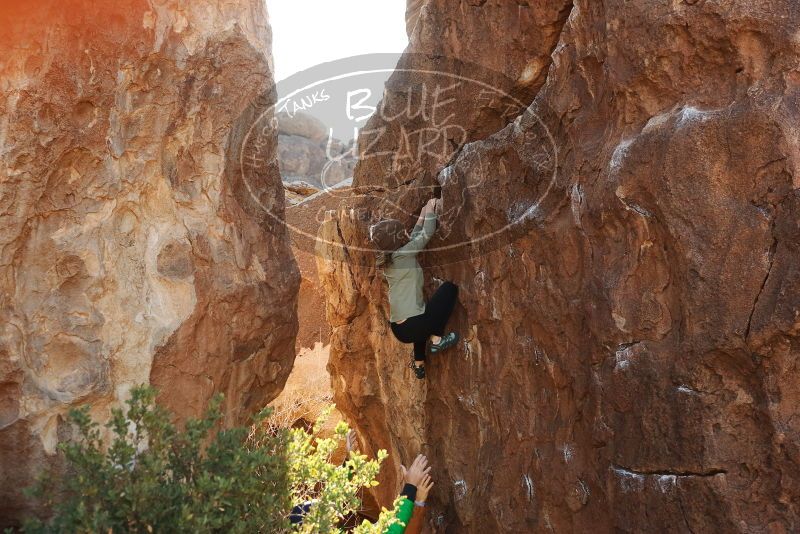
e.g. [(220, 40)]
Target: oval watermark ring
[(344, 94)]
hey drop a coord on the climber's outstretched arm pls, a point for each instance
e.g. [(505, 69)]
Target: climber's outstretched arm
[(423, 231), (418, 517), (416, 476), (421, 234), (427, 208)]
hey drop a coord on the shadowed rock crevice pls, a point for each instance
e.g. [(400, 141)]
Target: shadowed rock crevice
[(670, 472)]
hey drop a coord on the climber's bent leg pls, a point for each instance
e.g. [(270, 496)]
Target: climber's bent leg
[(419, 351), (440, 307), (414, 330)]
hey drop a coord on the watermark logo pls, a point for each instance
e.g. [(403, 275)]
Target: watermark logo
[(418, 127)]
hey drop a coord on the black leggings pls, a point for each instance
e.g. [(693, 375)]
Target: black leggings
[(419, 328)]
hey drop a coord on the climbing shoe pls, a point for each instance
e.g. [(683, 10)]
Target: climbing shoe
[(447, 341), (419, 371)]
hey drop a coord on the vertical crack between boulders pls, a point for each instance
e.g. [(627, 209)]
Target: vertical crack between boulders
[(772, 249), (683, 513), (346, 259)]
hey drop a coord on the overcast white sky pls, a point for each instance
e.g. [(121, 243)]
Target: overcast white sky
[(308, 32)]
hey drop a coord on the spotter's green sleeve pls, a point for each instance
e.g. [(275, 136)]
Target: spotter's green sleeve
[(404, 511)]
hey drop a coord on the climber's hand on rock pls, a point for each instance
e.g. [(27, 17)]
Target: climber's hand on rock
[(424, 488), (437, 206), (418, 470)]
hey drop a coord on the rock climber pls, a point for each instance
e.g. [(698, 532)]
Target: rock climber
[(411, 319)]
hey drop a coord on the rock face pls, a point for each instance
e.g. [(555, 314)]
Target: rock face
[(134, 244), (413, 8), (627, 251)]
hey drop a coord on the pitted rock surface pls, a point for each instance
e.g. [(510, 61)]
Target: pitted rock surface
[(630, 344)]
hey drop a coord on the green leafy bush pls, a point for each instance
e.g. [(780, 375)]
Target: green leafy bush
[(153, 477)]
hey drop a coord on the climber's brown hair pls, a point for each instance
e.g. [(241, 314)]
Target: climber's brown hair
[(387, 236)]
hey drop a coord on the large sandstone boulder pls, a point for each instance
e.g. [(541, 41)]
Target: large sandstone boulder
[(303, 125), (627, 251), (135, 247), (308, 155)]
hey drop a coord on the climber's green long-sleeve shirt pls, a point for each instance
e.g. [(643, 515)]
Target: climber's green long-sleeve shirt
[(405, 275)]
